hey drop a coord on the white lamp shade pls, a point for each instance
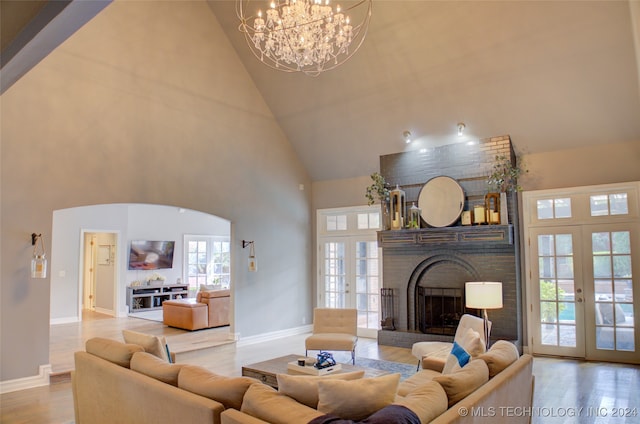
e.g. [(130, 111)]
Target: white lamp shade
[(483, 295)]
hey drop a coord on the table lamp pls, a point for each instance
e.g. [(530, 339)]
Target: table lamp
[(484, 295)]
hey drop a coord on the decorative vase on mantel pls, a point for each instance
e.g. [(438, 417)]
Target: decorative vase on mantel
[(504, 209)]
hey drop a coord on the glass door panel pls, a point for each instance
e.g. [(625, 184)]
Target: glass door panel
[(367, 276), (615, 331), (335, 285), (558, 309)]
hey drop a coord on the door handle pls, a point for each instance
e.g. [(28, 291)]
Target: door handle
[(579, 291)]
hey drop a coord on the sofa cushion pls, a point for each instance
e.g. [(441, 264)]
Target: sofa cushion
[(155, 345), (304, 388), (264, 402), (154, 367), (427, 401), (112, 350), (470, 345), (229, 391), (500, 355), (418, 379), (462, 382), (356, 399)]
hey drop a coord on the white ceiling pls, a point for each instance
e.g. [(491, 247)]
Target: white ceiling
[(552, 74)]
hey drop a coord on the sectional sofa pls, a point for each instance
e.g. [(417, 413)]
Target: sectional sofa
[(120, 382)]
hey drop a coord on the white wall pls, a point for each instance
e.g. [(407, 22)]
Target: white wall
[(147, 103), (130, 222)]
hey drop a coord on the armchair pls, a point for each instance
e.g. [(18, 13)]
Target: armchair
[(334, 329), (209, 309), (433, 355)]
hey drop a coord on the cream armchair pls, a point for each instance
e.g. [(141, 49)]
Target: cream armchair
[(433, 355), (334, 329)]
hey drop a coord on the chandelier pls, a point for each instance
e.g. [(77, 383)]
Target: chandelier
[(307, 36)]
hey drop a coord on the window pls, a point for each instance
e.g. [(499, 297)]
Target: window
[(208, 261), (609, 204), (554, 208)]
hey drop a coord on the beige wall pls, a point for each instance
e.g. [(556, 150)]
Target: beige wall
[(160, 113), (604, 164)]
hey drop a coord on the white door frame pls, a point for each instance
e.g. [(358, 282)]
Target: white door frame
[(117, 302), (581, 224), (348, 236)]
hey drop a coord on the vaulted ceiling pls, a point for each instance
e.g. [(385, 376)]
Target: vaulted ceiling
[(553, 75)]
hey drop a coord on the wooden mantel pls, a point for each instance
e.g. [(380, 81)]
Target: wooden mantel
[(460, 235)]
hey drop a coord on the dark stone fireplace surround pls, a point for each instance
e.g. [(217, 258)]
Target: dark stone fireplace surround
[(450, 256)]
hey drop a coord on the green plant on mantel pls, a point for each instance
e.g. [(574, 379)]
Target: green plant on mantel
[(377, 190), (504, 176)]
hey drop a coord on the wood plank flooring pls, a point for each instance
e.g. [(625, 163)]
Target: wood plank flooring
[(604, 391)]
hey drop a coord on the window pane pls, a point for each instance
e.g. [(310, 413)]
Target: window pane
[(622, 266), (374, 220), (562, 208), (599, 205), (547, 267), (567, 335), (363, 221), (549, 334), (546, 245), (545, 209), (548, 291), (618, 204), (621, 242), (565, 267), (601, 243), (603, 290), (564, 244), (601, 267)]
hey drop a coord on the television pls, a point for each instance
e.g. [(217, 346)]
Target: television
[(145, 254)]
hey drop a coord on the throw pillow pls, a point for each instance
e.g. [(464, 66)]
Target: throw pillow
[(501, 354), (356, 399), (470, 345), (304, 388), (155, 345), (154, 367), (264, 402), (388, 414), (427, 401), (461, 383), (112, 350), (229, 391)]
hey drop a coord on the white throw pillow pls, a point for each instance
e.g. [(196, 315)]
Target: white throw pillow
[(470, 346)]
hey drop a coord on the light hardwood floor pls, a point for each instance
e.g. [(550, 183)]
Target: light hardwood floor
[(563, 386)]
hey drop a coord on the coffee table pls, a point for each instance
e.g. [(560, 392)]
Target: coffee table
[(266, 371)]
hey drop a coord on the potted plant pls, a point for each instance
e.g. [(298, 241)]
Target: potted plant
[(504, 179), (504, 176), (379, 190)]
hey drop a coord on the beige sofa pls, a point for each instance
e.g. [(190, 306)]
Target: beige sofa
[(118, 382), (497, 386)]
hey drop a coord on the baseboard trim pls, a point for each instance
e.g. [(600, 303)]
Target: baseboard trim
[(66, 320), (273, 335), (42, 379)]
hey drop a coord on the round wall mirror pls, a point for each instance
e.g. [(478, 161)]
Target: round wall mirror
[(441, 200)]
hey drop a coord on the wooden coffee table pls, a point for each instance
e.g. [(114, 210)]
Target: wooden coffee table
[(266, 371)]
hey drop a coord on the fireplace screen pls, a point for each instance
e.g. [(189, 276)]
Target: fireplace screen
[(439, 310)]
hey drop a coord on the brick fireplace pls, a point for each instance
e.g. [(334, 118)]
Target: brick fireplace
[(425, 269)]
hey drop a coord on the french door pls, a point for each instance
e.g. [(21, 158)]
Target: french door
[(349, 264), (584, 274)]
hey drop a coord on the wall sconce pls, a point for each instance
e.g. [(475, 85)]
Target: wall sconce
[(38, 261), (461, 127), (406, 135), (253, 263)]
